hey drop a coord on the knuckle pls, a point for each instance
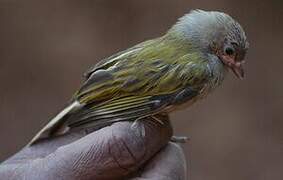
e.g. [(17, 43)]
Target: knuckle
[(126, 151)]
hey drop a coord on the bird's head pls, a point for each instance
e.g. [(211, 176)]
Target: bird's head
[(215, 33)]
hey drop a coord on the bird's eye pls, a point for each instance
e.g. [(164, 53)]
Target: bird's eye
[(229, 51)]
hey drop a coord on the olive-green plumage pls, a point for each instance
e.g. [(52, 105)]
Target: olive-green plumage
[(156, 70), (155, 67), (156, 76)]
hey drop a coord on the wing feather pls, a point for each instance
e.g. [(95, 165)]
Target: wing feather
[(124, 109), (132, 87), (139, 82)]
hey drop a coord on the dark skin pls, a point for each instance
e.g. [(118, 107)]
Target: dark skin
[(119, 151)]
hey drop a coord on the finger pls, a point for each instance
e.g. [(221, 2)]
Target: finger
[(168, 164), (110, 153), (44, 147)]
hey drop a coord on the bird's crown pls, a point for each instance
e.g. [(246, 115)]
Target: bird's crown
[(202, 27)]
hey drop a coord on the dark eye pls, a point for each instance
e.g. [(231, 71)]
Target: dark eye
[(229, 51)]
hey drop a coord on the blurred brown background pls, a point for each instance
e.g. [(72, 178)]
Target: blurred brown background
[(236, 133)]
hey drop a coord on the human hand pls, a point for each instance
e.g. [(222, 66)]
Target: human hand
[(115, 152)]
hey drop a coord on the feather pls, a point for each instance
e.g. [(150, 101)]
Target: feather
[(128, 108), (55, 122)]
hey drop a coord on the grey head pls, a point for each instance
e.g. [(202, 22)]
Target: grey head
[(215, 33)]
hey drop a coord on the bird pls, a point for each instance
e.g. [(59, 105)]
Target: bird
[(156, 76)]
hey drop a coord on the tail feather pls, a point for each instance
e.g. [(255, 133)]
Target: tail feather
[(55, 122)]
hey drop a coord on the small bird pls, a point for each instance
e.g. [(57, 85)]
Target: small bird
[(156, 76)]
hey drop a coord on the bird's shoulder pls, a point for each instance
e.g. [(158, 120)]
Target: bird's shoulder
[(125, 55), (144, 52)]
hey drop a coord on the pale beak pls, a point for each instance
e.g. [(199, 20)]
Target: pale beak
[(238, 70), (236, 67)]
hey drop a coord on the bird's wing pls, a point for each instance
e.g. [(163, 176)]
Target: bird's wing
[(130, 89), (149, 68)]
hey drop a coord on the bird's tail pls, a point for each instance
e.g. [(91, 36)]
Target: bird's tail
[(55, 123)]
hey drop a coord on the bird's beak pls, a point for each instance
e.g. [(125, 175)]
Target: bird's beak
[(238, 70), (236, 67)]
